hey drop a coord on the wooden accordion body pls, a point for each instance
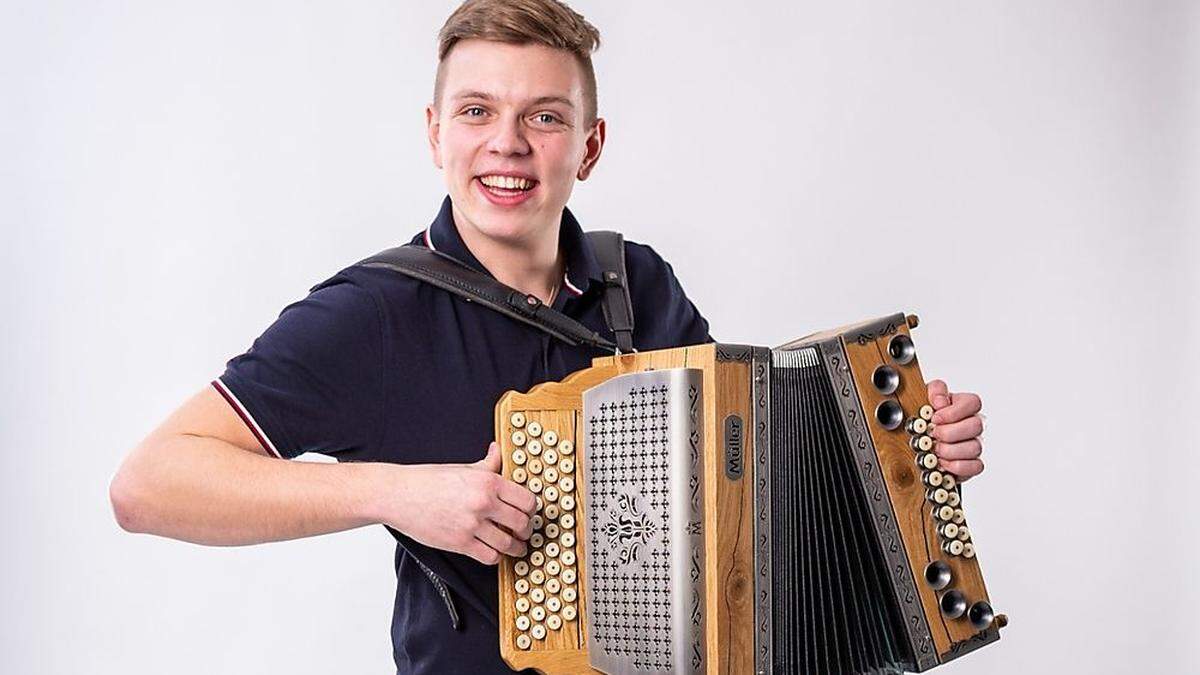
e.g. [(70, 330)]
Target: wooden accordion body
[(734, 509)]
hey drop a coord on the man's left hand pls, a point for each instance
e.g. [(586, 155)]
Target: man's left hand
[(957, 427)]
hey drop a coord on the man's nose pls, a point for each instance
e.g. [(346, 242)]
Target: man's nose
[(509, 138)]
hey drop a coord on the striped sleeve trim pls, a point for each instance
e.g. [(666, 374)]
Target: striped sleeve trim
[(247, 418)]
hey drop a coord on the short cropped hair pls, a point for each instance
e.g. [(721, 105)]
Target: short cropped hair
[(545, 22)]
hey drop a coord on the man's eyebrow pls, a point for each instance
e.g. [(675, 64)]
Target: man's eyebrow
[(553, 99), (473, 94), (484, 96)]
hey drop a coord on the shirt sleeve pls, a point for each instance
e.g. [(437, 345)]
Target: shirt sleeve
[(313, 382), (660, 300)]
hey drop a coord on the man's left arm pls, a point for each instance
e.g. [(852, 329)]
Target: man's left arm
[(957, 426)]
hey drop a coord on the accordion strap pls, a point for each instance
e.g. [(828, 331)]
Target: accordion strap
[(442, 271), (618, 309)]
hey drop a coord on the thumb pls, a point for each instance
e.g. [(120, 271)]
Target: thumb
[(492, 461)]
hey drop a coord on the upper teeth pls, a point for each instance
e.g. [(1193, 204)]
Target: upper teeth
[(507, 182)]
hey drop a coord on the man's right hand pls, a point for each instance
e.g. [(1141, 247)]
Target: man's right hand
[(465, 508)]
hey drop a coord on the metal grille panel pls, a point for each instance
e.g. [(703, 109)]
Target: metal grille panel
[(643, 533)]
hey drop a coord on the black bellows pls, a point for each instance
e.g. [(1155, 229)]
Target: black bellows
[(833, 609)]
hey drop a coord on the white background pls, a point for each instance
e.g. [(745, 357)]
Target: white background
[(1021, 174)]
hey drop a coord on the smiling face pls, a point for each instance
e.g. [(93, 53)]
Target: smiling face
[(511, 135)]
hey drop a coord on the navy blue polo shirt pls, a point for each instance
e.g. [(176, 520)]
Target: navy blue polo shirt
[(376, 366)]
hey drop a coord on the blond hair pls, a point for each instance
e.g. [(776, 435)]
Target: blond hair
[(545, 22)]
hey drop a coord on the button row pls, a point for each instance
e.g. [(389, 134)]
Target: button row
[(547, 596), (941, 487)]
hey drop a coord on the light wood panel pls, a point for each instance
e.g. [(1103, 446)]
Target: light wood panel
[(731, 546), (906, 490), (557, 406)]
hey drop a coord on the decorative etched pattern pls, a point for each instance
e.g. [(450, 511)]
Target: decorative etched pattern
[(628, 464), (761, 386), (695, 526), (740, 353), (628, 529), (870, 334), (974, 642), (644, 532)]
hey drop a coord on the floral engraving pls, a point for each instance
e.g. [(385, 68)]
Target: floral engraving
[(628, 529)]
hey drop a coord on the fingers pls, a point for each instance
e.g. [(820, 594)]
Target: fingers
[(482, 552), (963, 468), (961, 407), (518, 496), (958, 431), (969, 449), (497, 526), (958, 425), (939, 394), (515, 520), (500, 541)]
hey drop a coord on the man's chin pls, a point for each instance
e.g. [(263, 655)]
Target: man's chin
[(506, 224)]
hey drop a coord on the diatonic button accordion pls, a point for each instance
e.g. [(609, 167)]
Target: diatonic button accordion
[(736, 509)]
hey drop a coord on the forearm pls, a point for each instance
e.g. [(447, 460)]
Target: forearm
[(207, 491)]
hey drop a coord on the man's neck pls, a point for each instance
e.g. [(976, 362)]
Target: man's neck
[(535, 267)]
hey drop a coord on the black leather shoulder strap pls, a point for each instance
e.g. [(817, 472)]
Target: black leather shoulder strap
[(442, 271), (618, 309)]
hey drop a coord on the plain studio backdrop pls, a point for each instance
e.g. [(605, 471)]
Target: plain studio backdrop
[(1022, 175)]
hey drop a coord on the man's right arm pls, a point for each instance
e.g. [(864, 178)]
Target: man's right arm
[(203, 477)]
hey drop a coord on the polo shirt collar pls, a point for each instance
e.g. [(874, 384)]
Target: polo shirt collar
[(582, 268)]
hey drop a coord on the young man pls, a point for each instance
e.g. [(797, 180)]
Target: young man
[(401, 378)]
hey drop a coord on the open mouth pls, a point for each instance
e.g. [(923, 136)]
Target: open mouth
[(506, 187)]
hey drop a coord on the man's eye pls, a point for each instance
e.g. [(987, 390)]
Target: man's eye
[(546, 118), (474, 111)]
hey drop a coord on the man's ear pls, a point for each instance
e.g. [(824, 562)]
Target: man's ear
[(433, 127), (594, 145)]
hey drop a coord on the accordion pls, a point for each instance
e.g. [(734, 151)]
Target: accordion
[(738, 509)]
